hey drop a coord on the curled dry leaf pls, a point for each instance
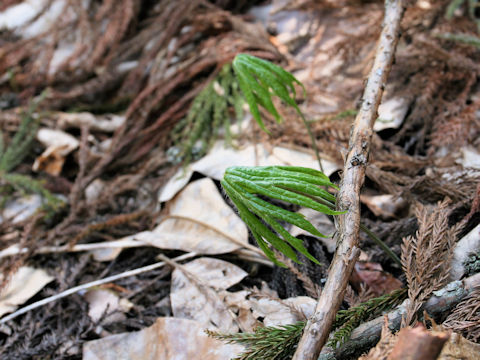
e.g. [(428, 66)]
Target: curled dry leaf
[(378, 281), (166, 339), (25, 283), (198, 220), (385, 206), (101, 301), (106, 123), (58, 145), (391, 114), (195, 292), (283, 312)]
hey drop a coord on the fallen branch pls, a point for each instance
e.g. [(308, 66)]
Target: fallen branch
[(367, 335), (319, 325)]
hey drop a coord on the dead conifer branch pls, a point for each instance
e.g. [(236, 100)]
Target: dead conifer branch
[(318, 327), (426, 257), (465, 318)]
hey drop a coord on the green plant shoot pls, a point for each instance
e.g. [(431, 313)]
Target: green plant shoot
[(294, 185), (259, 80)]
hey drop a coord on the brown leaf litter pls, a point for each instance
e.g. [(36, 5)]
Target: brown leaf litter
[(144, 62)]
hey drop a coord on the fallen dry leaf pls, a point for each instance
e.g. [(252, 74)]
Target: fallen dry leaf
[(58, 145), (459, 348), (102, 301), (391, 113), (456, 347), (21, 208), (378, 281), (105, 123), (288, 311), (199, 220), (385, 206), (195, 292), (25, 283), (241, 306), (220, 158), (166, 339)]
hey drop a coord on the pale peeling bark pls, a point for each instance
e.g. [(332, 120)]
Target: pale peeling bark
[(319, 325)]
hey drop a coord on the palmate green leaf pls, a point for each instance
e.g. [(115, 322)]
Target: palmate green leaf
[(259, 80), (294, 185)]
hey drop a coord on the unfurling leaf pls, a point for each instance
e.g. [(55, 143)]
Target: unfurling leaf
[(259, 80), (294, 185)]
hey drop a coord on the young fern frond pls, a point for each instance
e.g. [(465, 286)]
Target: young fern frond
[(259, 80), (294, 185)]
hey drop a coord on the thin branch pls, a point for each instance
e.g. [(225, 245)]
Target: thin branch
[(318, 327), (92, 284), (127, 242)]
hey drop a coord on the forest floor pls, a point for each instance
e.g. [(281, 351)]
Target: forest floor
[(118, 120)]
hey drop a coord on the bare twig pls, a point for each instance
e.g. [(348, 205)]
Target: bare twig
[(318, 327), (92, 284)]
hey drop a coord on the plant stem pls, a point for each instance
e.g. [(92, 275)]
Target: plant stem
[(312, 140), (369, 233), (380, 243)]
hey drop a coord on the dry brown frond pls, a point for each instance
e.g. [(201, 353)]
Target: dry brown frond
[(426, 257), (465, 318), (353, 299), (437, 183)]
